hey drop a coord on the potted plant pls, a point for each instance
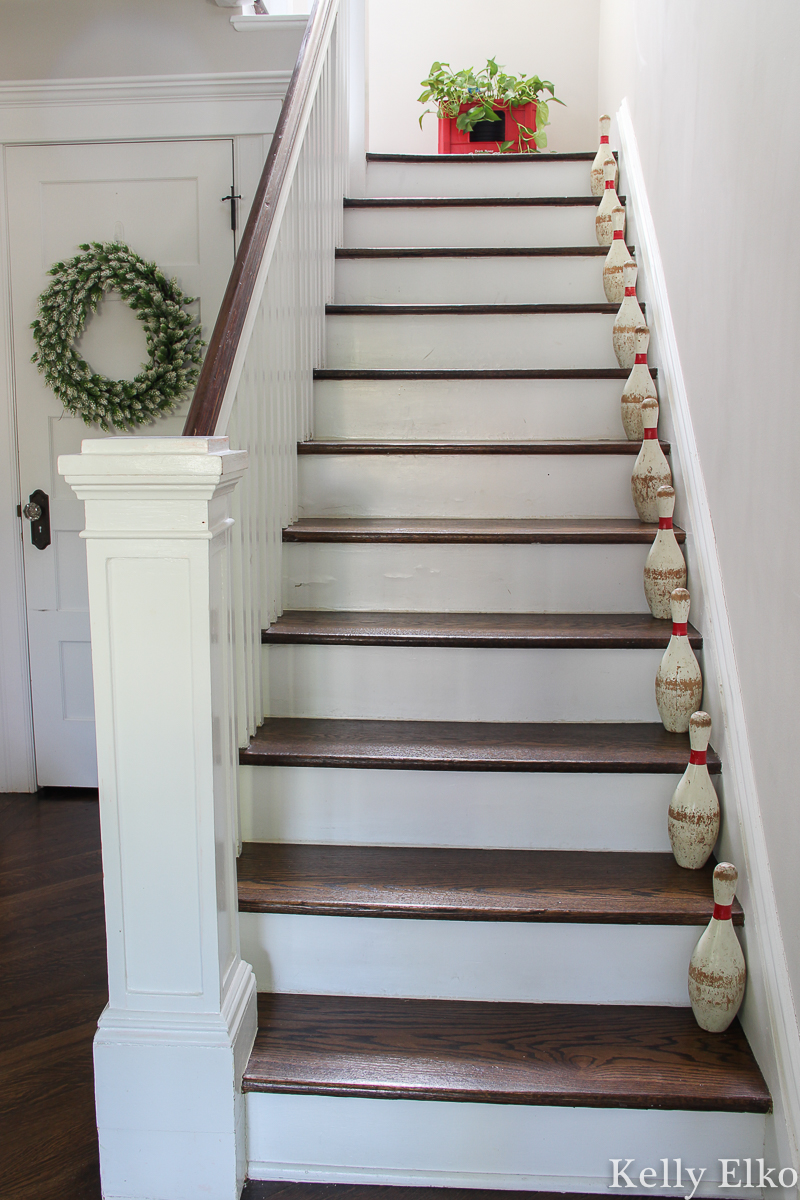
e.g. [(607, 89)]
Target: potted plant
[(487, 110)]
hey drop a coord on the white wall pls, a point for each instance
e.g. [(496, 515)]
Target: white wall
[(64, 39), (712, 87), (554, 39)]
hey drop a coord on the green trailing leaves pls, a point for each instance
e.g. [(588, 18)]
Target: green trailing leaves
[(172, 333), (481, 92)]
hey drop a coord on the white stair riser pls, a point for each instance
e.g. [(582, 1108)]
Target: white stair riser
[(462, 409), (513, 810), (536, 962), (526, 225), (562, 280), (437, 683), (466, 485), (378, 577), (540, 178), (343, 1139), (470, 341)]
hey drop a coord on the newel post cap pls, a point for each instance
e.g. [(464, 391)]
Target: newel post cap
[(189, 459)]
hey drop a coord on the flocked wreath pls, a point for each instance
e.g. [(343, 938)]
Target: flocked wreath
[(173, 337)]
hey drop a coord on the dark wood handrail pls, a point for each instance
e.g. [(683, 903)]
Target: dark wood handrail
[(218, 364)]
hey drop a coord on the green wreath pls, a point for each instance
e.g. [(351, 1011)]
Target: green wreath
[(173, 337)]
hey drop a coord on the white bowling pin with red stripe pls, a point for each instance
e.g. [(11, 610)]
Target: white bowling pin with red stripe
[(665, 566), (651, 469), (693, 818), (617, 256), (639, 386), (717, 971), (604, 155), (679, 681), (610, 201), (629, 318)]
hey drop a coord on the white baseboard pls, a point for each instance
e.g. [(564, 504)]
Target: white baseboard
[(768, 1015)]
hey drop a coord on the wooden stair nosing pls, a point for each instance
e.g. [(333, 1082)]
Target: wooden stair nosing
[(476, 373), (554, 156), (574, 1055), (536, 531), (349, 252), (272, 1189), (605, 631), (475, 201), (405, 447), (560, 747), (462, 884), (471, 310)]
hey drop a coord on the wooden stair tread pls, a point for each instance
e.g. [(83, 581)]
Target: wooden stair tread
[(462, 884), (621, 747), (467, 310), (577, 1055), (274, 1189), (584, 630), (476, 373), (475, 251), (475, 201), (408, 446), (541, 531)]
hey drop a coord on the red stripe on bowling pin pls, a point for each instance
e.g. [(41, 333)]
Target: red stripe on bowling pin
[(604, 139), (630, 291), (680, 628), (665, 522), (618, 235), (641, 359), (649, 435), (698, 757), (722, 912)]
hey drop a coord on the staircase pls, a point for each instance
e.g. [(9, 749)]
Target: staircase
[(470, 936)]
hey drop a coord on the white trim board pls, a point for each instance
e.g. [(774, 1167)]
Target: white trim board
[(141, 106), (247, 23), (768, 1015)]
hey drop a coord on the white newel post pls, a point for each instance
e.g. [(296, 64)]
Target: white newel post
[(173, 1042)]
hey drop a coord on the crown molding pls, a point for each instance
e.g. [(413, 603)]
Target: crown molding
[(148, 89)]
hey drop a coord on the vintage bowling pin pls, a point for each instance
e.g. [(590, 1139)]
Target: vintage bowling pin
[(639, 386), (717, 971), (629, 318), (679, 681), (651, 469), (617, 256), (610, 201), (604, 154), (693, 817), (665, 566)]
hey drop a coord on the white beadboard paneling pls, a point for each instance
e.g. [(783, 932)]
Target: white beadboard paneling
[(514, 810), (536, 962), (537, 177), (459, 409), (425, 341), (462, 578), (439, 683), (466, 485), (472, 225), (511, 1146), (503, 280)]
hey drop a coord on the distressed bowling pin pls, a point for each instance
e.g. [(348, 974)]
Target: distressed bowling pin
[(639, 386), (717, 971), (665, 566), (629, 318), (679, 681), (604, 155), (651, 469), (693, 817), (617, 256), (610, 201)]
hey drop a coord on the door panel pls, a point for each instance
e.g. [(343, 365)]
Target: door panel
[(164, 200)]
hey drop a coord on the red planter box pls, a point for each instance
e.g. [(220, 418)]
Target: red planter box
[(458, 141)]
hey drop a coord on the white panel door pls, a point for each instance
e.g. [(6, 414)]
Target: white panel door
[(164, 199)]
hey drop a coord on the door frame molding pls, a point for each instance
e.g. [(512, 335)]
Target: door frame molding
[(46, 111)]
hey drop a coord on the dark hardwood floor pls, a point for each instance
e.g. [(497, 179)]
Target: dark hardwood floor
[(53, 967)]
